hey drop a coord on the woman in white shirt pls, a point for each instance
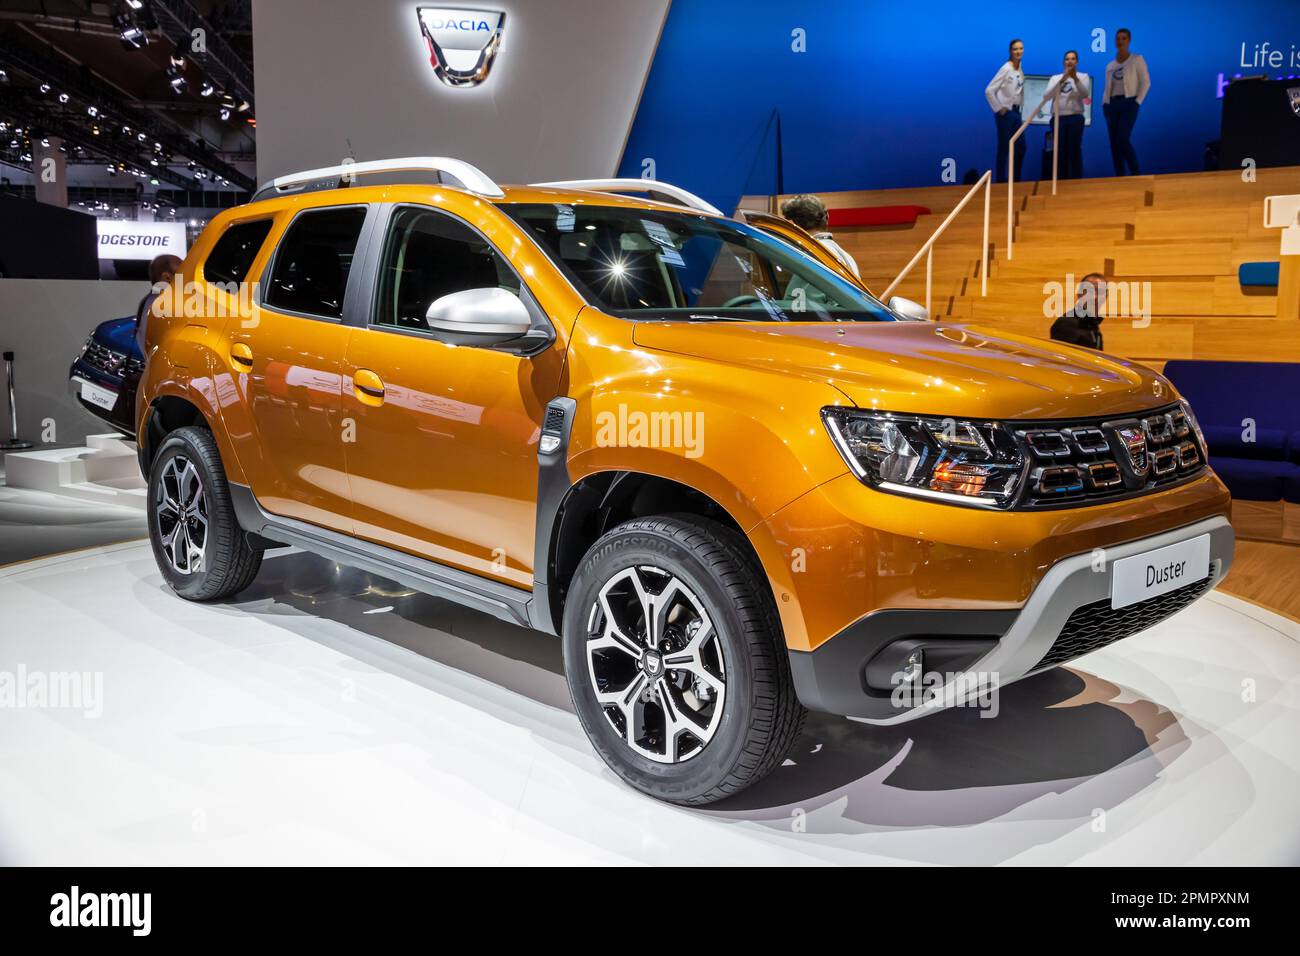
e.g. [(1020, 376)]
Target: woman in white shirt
[(1075, 92), (1127, 84), (1006, 95)]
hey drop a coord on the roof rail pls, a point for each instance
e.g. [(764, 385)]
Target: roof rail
[(675, 194), (470, 177)]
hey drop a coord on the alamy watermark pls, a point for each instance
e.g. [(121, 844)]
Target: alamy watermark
[(23, 689), (633, 428)]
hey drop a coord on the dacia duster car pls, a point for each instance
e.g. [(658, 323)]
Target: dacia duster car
[(735, 484), (104, 375)]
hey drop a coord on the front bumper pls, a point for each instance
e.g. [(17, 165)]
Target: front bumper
[(122, 413), (1004, 644)]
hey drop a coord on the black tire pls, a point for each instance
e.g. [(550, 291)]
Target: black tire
[(228, 564), (761, 716)]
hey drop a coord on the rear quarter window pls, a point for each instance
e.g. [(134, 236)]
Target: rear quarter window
[(233, 254)]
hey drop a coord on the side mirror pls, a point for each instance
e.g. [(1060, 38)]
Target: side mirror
[(482, 317), (908, 310)]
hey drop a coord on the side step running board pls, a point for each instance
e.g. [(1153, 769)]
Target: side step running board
[(500, 600)]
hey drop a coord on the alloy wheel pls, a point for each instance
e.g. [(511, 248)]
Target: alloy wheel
[(656, 664), (181, 506)]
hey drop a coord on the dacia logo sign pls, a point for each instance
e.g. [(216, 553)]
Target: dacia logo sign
[(462, 42)]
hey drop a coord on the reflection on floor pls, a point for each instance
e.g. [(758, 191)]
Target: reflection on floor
[(36, 523), (329, 716)]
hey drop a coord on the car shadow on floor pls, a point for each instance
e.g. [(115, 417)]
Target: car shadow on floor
[(1056, 732)]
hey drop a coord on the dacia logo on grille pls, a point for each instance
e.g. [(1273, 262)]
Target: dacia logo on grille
[(1134, 439), (462, 42)]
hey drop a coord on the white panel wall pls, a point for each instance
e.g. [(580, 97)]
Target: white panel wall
[(557, 105), (44, 322)]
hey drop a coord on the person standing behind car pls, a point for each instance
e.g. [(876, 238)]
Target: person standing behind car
[(1006, 96), (1075, 90), (1127, 85), (162, 269), (809, 213)]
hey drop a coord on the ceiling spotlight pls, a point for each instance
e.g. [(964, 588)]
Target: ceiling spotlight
[(177, 82), (126, 131), (94, 130), (44, 87), (4, 76), (92, 111), (207, 89), (135, 4), (225, 112), (45, 142), (141, 137), (153, 162), (129, 32), (245, 106), (63, 97), (112, 170)]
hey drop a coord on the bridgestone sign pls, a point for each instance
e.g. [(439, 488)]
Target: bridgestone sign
[(140, 240)]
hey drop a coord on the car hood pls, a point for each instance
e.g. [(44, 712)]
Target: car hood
[(925, 367), (118, 335)]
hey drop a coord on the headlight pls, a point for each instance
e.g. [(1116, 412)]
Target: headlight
[(962, 462), (1196, 426)]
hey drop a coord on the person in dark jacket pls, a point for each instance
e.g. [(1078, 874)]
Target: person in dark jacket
[(161, 272), (1082, 324)]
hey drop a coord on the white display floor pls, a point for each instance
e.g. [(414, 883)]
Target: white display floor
[(330, 717)]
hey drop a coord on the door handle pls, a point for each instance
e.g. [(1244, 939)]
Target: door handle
[(368, 386), (242, 356)]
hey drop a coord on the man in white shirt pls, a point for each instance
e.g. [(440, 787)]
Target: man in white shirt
[(809, 213), (1006, 95), (1075, 90), (1127, 85)]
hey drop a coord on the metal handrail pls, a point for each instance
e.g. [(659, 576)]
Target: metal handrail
[(1011, 156), (631, 185), (469, 176), (986, 182)]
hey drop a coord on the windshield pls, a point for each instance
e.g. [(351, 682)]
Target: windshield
[(643, 263)]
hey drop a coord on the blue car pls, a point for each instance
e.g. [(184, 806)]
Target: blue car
[(105, 375)]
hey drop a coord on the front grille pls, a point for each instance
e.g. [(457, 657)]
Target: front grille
[(1085, 461), (104, 358), (1096, 625)]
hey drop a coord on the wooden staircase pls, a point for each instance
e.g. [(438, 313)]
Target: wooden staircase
[(1174, 241)]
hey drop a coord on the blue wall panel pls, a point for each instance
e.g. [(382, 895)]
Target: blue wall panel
[(887, 91)]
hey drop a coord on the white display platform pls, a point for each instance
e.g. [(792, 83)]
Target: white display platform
[(105, 471), (331, 717)]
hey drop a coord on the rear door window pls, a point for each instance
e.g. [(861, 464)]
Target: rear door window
[(310, 273)]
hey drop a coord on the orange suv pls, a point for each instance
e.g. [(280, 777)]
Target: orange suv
[(734, 483)]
